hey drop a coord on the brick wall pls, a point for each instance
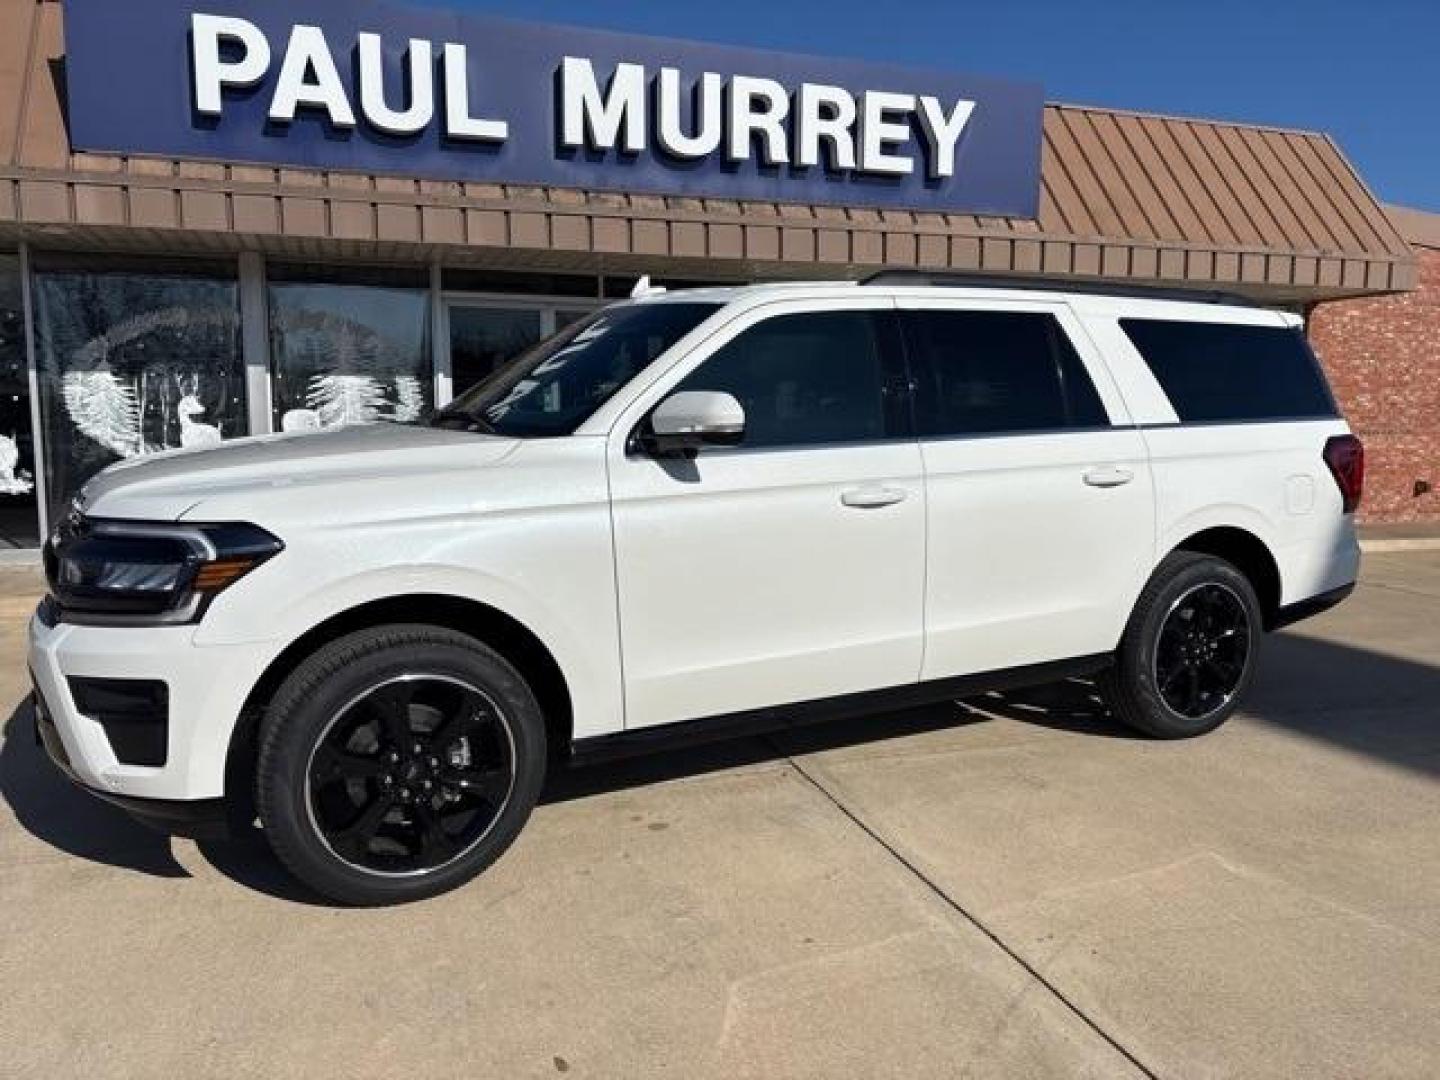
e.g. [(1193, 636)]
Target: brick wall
[(1383, 359)]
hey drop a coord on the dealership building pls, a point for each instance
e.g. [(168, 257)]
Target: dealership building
[(231, 218)]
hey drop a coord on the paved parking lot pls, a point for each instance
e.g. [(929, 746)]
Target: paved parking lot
[(1009, 888)]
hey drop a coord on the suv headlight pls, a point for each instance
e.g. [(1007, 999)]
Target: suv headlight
[(130, 573)]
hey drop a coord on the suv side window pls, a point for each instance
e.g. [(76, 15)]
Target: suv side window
[(987, 372), (807, 378), (1214, 372)]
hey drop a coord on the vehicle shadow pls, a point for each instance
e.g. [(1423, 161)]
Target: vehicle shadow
[(52, 809), (1361, 701)]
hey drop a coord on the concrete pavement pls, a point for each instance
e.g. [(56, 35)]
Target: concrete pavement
[(1013, 887)]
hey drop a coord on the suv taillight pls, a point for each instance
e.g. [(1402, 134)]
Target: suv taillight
[(1345, 455)]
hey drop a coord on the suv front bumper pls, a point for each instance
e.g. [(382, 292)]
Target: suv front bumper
[(207, 687), (200, 818)]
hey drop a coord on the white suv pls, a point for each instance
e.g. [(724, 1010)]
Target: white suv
[(691, 507)]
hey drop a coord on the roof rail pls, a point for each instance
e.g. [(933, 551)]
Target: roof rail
[(1138, 290)]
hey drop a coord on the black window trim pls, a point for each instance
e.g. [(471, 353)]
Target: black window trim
[(1055, 324)]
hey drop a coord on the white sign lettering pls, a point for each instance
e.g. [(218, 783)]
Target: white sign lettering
[(417, 117), (746, 117), (827, 114), (213, 75), (595, 118), (459, 124), (307, 56)]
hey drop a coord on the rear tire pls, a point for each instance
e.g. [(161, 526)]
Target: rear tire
[(398, 763), (1188, 654)]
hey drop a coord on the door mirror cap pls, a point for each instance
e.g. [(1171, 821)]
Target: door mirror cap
[(685, 422)]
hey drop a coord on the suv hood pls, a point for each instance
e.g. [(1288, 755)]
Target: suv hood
[(163, 487)]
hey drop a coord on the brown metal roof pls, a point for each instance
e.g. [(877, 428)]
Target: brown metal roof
[(1421, 228), (1280, 214)]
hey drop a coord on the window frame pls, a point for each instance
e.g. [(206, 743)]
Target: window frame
[(1064, 320), (652, 387)]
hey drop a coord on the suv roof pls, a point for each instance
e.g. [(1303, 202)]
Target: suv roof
[(1138, 300), (1132, 290)]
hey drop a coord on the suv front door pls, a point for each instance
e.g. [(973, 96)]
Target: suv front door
[(1041, 519), (790, 567)]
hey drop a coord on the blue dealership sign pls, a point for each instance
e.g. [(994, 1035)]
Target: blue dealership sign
[(339, 84)]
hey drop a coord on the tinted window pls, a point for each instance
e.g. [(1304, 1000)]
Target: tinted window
[(980, 372), (553, 388), (1214, 371), (803, 379)]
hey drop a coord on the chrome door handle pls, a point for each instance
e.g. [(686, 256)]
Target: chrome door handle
[(1109, 476), (872, 498)]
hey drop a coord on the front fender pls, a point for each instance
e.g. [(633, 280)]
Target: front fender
[(279, 616)]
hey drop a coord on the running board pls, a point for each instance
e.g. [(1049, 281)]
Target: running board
[(684, 733)]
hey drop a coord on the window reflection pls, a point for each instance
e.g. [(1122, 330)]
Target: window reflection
[(346, 351), (134, 358), (482, 339), (19, 524)]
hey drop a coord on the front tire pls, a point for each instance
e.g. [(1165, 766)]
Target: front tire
[(1188, 654), (398, 763)]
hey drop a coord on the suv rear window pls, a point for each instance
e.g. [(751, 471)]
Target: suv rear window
[(1222, 371)]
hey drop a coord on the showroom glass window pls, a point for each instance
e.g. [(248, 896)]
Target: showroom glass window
[(483, 338), (133, 357), (349, 347), (19, 522)]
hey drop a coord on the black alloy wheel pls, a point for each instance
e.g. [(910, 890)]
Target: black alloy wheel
[(410, 774), (397, 763), (1187, 656), (1202, 650)]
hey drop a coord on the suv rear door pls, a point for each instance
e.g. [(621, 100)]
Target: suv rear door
[(1040, 501), (790, 567)]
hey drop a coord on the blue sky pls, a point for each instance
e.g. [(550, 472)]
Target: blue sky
[(1367, 73)]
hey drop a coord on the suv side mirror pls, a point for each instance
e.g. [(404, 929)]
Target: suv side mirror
[(685, 422)]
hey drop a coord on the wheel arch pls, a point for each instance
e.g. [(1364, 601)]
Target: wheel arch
[(1247, 553), (500, 631)]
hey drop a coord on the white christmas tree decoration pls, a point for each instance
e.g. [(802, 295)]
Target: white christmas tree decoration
[(104, 409), (113, 411), (345, 399), (409, 399)]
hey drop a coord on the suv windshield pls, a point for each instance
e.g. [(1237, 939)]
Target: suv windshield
[(554, 387)]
